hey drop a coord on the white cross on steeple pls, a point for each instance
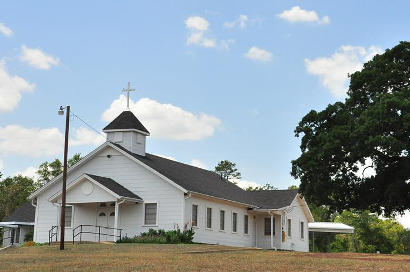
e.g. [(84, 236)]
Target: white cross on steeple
[(128, 90)]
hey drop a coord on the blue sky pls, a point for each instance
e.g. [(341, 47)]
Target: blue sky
[(214, 80)]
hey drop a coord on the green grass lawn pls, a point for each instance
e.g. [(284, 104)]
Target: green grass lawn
[(150, 257)]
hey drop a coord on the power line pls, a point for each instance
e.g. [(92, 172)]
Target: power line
[(88, 125)]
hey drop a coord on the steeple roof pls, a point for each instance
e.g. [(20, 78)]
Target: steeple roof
[(126, 120)]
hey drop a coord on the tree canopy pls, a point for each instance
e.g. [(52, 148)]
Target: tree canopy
[(228, 170), (47, 171), (371, 126)]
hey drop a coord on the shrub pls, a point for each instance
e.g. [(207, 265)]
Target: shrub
[(162, 237)]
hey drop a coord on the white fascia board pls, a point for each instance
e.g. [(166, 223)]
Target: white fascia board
[(126, 130), (306, 209), (82, 177), (81, 162), (147, 167)]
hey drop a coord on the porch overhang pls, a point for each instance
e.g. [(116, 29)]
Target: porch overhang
[(90, 188)]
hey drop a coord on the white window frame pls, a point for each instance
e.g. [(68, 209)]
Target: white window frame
[(245, 233), (206, 217), (236, 222), (72, 216), (270, 228), (223, 230), (289, 226), (197, 215), (156, 218), (300, 229)]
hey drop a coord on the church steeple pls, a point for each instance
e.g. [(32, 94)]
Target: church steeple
[(127, 131)]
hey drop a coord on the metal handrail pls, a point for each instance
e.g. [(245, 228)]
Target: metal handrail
[(81, 231), (9, 237), (51, 234)]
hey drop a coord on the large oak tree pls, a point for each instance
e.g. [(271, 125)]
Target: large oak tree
[(372, 125)]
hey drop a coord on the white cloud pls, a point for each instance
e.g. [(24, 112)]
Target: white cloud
[(37, 58), (332, 71), (198, 163), (404, 219), (5, 30), (246, 183), (240, 22), (256, 53), (85, 136), (166, 121), (11, 88), (33, 142), (197, 23), (37, 142), (1, 165), (30, 172), (296, 14), (198, 29), (166, 157)]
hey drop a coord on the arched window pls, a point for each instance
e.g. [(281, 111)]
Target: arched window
[(112, 214), (101, 214)]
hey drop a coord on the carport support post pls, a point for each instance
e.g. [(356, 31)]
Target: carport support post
[(271, 229), (116, 220)]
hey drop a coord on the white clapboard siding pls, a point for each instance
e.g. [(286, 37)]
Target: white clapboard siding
[(215, 235), (132, 176)]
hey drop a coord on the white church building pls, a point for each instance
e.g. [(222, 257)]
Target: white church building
[(121, 190)]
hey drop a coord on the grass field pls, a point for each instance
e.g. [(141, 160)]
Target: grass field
[(149, 257)]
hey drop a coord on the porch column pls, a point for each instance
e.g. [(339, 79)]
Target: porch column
[(116, 220), (281, 230), (271, 230)]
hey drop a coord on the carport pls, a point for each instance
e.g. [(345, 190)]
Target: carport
[(329, 227)]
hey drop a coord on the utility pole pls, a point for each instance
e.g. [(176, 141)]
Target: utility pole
[(62, 216)]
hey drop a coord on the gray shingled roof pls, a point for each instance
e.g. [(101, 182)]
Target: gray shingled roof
[(273, 199), (207, 182), (114, 186), (25, 213), (126, 120)]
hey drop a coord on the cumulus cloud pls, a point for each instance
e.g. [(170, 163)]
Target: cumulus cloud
[(37, 142), (85, 136), (166, 121), (240, 22), (30, 172), (332, 71), (246, 183), (258, 54), (11, 88), (33, 142), (197, 27), (296, 14), (166, 157), (37, 58), (198, 163), (198, 34), (5, 30)]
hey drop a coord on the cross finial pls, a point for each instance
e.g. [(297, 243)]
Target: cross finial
[(128, 90)]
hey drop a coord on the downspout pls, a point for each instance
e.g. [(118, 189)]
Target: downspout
[(35, 219), (188, 196)]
